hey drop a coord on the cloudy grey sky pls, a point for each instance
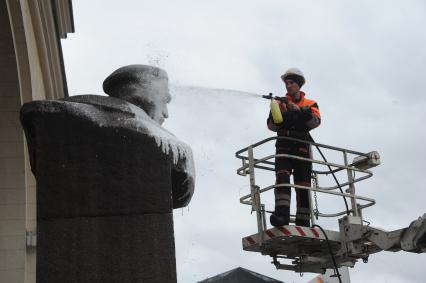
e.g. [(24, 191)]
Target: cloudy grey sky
[(365, 64)]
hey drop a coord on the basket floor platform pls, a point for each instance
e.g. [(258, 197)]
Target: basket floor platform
[(293, 242)]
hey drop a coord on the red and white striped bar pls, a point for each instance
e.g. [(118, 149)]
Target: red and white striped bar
[(290, 231)]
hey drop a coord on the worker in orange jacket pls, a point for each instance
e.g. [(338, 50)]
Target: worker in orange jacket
[(300, 115)]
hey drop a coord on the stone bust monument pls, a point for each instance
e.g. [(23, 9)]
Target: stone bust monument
[(108, 176)]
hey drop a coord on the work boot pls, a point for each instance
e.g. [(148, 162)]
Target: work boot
[(281, 216), (302, 222)]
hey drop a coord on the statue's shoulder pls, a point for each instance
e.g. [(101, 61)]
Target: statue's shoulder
[(90, 107), (103, 111), (105, 103), (77, 104)]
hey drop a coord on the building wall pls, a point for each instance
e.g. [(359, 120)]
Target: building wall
[(31, 68), (12, 162)]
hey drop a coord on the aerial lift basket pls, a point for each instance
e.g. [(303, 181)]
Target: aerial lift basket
[(314, 249)]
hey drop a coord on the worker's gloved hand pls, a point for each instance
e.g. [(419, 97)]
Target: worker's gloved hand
[(282, 106), (293, 107)]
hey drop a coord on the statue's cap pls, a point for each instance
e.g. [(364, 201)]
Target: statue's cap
[(131, 75)]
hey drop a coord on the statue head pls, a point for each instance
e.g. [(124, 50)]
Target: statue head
[(142, 85)]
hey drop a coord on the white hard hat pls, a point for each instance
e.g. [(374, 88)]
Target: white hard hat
[(295, 74)]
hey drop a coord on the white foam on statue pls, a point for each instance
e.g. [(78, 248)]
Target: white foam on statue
[(165, 140), (169, 144)]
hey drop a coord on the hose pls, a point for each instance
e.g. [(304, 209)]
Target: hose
[(336, 269), (334, 176)]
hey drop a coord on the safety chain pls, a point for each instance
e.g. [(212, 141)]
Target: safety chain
[(316, 210)]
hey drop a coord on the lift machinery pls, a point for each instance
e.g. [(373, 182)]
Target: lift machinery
[(314, 249)]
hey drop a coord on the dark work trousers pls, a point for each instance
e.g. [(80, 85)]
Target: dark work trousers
[(301, 171)]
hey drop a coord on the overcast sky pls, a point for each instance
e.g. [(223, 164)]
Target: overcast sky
[(364, 62)]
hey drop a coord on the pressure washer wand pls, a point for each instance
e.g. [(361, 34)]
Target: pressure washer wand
[(270, 96)]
